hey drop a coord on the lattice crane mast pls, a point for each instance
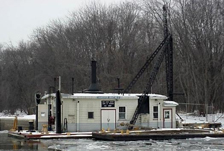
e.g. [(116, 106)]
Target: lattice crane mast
[(150, 82), (147, 63)]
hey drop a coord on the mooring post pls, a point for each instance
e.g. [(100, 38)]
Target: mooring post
[(58, 112), (36, 117)]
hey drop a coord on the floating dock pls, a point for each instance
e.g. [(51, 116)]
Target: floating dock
[(156, 135), (51, 135), (122, 135)]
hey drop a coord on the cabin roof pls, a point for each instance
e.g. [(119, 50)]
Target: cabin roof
[(106, 96), (170, 103)]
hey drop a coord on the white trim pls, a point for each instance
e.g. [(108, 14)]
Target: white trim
[(106, 96), (77, 116), (159, 116)]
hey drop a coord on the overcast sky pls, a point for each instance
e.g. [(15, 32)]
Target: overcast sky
[(20, 17)]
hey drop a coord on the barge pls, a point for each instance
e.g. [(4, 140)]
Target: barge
[(156, 134)]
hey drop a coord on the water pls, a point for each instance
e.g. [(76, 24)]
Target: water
[(202, 144)]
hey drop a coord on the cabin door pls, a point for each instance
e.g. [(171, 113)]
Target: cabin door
[(108, 119), (167, 118)]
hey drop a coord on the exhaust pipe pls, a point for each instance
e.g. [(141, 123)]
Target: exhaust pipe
[(93, 88)]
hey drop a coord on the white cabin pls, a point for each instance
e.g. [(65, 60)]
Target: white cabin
[(93, 112)]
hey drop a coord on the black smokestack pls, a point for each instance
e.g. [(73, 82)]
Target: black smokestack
[(93, 88), (93, 64), (72, 86)]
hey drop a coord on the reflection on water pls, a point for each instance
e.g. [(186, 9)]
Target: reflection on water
[(11, 143), (199, 144)]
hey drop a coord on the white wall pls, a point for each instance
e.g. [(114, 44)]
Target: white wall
[(69, 112), (93, 105), (147, 120), (42, 115), (85, 106), (75, 110), (156, 123)]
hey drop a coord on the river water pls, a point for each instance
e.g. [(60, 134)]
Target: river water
[(202, 144)]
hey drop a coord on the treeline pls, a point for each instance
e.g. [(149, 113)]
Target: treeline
[(120, 38)]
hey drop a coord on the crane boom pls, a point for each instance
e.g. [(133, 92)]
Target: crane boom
[(148, 61), (148, 88)]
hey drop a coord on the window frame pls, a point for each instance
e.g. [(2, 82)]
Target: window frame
[(155, 112), (122, 113), (90, 113)]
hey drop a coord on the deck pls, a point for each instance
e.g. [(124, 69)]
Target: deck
[(51, 135), (156, 135)]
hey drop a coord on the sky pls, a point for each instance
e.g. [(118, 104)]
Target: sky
[(19, 18)]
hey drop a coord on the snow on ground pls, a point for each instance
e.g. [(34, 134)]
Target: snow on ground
[(211, 118), (5, 131), (19, 114)]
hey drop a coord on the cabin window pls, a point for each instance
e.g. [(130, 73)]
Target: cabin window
[(167, 114), (90, 115), (155, 111), (122, 112)]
